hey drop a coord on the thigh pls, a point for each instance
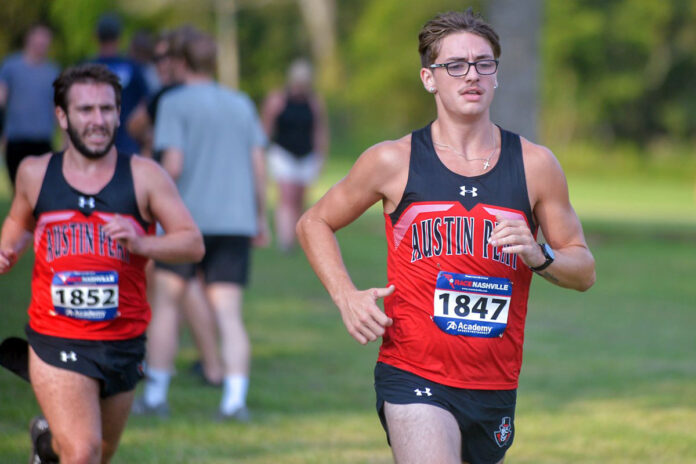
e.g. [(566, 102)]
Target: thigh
[(490, 428), (422, 433), (417, 417), (69, 401), (226, 299), (167, 287), (114, 415)]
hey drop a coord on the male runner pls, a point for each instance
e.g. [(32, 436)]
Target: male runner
[(463, 200), (91, 211)]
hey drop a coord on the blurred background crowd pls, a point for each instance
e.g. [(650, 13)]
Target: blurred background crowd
[(597, 72)]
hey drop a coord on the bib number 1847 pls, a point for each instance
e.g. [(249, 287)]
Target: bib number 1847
[(463, 305), (471, 305)]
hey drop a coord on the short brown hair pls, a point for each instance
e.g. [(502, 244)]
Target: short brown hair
[(200, 53), (444, 24), (177, 38), (86, 73)]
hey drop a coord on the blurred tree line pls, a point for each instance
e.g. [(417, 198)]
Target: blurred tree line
[(612, 70)]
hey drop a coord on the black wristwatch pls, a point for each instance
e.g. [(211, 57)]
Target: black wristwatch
[(548, 254)]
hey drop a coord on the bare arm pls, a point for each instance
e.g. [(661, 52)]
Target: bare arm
[(182, 241), (259, 166), (366, 183), (321, 127), (15, 236), (17, 228), (270, 110), (140, 127), (574, 265), (173, 162)]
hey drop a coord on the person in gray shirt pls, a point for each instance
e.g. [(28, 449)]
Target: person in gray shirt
[(26, 94), (212, 144)]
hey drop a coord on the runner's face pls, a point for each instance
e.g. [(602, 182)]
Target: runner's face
[(92, 118), (468, 95)]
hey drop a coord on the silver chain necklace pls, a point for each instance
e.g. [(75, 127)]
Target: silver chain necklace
[(486, 161)]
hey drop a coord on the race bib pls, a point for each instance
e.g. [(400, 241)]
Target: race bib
[(91, 295), (471, 305)]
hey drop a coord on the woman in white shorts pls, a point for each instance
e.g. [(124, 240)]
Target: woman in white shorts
[(295, 120)]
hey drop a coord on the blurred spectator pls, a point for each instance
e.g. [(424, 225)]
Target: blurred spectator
[(129, 72), (26, 94), (295, 119), (212, 141), (169, 60), (141, 50)]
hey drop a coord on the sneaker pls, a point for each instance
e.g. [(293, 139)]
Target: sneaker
[(141, 408), (38, 427), (238, 415)]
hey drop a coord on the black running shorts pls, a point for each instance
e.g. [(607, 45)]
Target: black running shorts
[(485, 417), (116, 364), (226, 259)]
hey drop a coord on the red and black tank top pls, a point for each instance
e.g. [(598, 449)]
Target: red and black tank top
[(460, 304), (86, 285)]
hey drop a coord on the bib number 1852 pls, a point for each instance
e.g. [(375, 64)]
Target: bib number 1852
[(86, 295)]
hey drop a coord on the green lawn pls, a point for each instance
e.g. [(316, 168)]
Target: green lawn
[(609, 375)]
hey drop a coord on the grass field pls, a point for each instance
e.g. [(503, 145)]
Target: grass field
[(609, 375)]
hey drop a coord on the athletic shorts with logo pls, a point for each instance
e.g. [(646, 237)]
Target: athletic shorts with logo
[(485, 417), (116, 364)]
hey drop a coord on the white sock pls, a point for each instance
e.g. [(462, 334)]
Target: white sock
[(234, 392), (156, 386)]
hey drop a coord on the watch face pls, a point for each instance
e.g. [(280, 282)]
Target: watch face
[(548, 251)]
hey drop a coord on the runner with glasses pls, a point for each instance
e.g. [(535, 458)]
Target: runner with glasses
[(460, 68), (463, 201)]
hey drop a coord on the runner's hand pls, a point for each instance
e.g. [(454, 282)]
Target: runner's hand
[(121, 229), (515, 237), (7, 260), (362, 317)]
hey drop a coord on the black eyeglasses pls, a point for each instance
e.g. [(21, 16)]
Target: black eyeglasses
[(461, 68)]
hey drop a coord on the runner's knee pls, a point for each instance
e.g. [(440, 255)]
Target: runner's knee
[(79, 450)]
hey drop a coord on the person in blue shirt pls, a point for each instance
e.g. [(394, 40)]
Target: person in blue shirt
[(130, 73), (26, 94)]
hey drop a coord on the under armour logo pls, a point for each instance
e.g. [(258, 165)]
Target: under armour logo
[(65, 356), (89, 201), (463, 191), (421, 393)]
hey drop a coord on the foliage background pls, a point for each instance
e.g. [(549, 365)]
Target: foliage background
[(609, 375), (614, 72)]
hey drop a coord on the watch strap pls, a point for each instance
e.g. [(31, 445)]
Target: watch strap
[(545, 264)]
